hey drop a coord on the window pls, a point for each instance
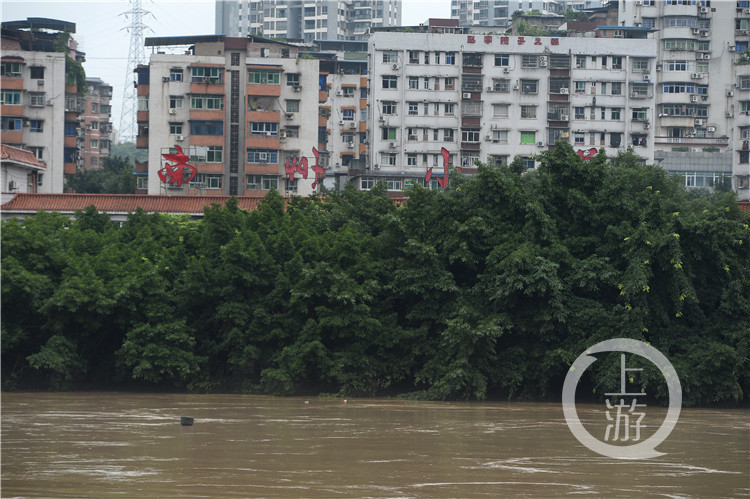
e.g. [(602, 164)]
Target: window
[(70, 129), (528, 111), (10, 69), (175, 101), (616, 62), (95, 125), (36, 99), (448, 135), (207, 127), (581, 61), (579, 113), (640, 64), (580, 87), (502, 60), (175, 128), (262, 156), (388, 159), (390, 57), (615, 114), (262, 182), (579, 138), (413, 108), (501, 85), (388, 133), (38, 152), (11, 123), (668, 66), (449, 109), (292, 132), (528, 162), (175, 74), (426, 83), (450, 83), (529, 86), (413, 83), (10, 97), (264, 128), (347, 138), (262, 77), (207, 181), (389, 107), (529, 61), (214, 154), (450, 58), (616, 88), (500, 136), (141, 182), (210, 75), (292, 106), (411, 159), (207, 102), (470, 135), (390, 81), (94, 144), (69, 154), (640, 114), (413, 57), (292, 79), (469, 108), (348, 91), (744, 82), (347, 114), (528, 137), (366, 183), (94, 161), (143, 102)]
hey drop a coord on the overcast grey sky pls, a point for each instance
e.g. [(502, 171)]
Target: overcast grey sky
[(101, 28)]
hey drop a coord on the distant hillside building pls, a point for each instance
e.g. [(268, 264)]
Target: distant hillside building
[(305, 20)]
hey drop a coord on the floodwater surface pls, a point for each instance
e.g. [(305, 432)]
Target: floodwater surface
[(132, 445)]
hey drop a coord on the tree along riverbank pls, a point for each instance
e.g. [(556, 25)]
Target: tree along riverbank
[(488, 289)]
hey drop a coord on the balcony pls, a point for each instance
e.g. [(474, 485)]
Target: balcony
[(692, 141)]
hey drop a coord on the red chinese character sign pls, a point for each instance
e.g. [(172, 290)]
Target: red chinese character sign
[(443, 182), (587, 154), (178, 172), (301, 167)]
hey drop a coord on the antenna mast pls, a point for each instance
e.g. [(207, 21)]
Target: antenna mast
[(136, 56)]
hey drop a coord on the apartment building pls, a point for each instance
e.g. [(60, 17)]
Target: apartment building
[(491, 97), (96, 125), (306, 20), (243, 110), (500, 12), (702, 125), (34, 99)]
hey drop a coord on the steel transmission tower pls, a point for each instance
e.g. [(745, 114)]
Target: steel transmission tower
[(136, 56)]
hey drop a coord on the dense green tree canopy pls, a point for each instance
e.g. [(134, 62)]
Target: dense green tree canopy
[(488, 289)]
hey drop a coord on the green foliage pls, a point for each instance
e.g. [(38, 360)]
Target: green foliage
[(128, 151), (114, 177), (488, 289)]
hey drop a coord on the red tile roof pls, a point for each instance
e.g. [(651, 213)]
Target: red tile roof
[(20, 156), (744, 206), (121, 203)]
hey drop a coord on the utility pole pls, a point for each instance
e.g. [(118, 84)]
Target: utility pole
[(136, 56)]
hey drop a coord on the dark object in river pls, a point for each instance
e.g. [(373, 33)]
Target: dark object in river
[(186, 421)]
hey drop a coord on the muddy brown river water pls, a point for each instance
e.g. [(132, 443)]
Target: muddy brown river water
[(132, 445)]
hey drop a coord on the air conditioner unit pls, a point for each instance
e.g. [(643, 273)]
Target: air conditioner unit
[(289, 116), (296, 88), (704, 97), (490, 89), (350, 145), (705, 33), (487, 137), (728, 115), (352, 125), (730, 93), (693, 98), (179, 138), (564, 117), (467, 95), (376, 166), (12, 185), (341, 123), (564, 90), (392, 144), (506, 70), (172, 111), (381, 119), (165, 79), (515, 87), (540, 144), (700, 122), (646, 77), (394, 66), (732, 48), (746, 11), (412, 137), (339, 93), (706, 56), (543, 63), (705, 10), (638, 2), (711, 129), (696, 31), (268, 134), (282, 134), (40, 83), (696, 76)]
